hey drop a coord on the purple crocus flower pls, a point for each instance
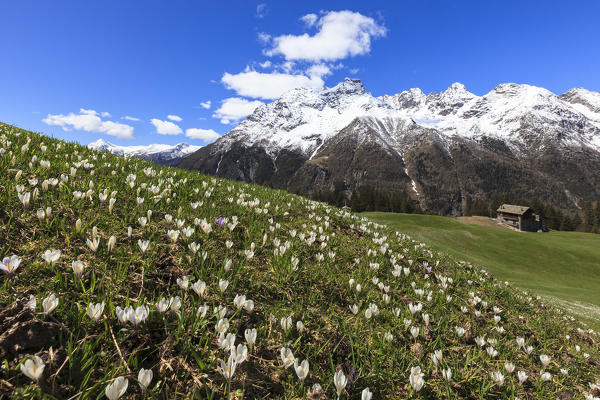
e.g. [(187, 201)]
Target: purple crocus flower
[(427, 267), (220, 221)]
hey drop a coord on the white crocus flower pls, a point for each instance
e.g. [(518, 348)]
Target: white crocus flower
[(414, 331), (51, 256), (33, 368), (25, 198), (436, 357), (95, 311), (491, 351), (49, 303), (460, 331), (498, 378), (139, 315), (227, 369), (175, 303), (199, 287), (10, 264), (117, 388), (173, 235), (239, 353), (223, 284), (520, 341), (249, 306), (509, 367), (447, 374), (301, 370), (226, 341), (201, 311), (366, 394), (111, 243), (340, 381), (222, 325), (77, 267), (183, 282), (545, 360), (144, 378), (163, 304), (287, 357), (143, 245), (123, 314), (416, 378), (545, 376), (250, 335), (93, 244), (239, 301), (286, 323)]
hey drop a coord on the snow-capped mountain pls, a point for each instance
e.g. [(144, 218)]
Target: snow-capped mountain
[(159, 153), (443, 149)]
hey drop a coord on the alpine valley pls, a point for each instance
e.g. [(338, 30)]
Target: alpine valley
[(443, 150)]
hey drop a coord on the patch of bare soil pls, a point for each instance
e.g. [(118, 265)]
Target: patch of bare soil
[(482, 221), (22, 332)]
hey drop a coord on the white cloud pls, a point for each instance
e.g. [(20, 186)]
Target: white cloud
[(174, 117), (309, 19), (264, 38), (261, 10), (207, 135), (265, 64), (105, 114), (89, 121), (128, 118), (205, 104), (340, 34), (318, 70), (165, 127), (268, 85), (235, 108)]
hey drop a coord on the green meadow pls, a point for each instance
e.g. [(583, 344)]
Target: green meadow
[(563, 267)]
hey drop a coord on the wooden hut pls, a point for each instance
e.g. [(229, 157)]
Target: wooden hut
[(520, 218)]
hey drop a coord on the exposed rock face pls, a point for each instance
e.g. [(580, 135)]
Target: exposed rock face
[(441, 149)]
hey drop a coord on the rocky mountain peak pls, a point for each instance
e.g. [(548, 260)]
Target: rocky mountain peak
[(590, 101), (346, 89)]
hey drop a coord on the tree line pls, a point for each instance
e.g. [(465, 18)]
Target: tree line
[(366, 198)]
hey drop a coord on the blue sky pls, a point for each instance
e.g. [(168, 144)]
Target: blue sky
[(83, 70)]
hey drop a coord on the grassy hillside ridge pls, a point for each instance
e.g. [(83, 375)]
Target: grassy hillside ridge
[(223, 258), (560, 265)]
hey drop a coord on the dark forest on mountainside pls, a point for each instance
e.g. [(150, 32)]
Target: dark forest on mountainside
[(371, 199)]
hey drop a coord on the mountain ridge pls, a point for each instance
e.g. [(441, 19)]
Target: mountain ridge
[(164, 154), (443, 149)]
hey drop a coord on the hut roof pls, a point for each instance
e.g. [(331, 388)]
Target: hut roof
[(512, 209)]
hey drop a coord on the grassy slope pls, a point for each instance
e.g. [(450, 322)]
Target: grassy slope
[(560, 265), (181, 346)]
